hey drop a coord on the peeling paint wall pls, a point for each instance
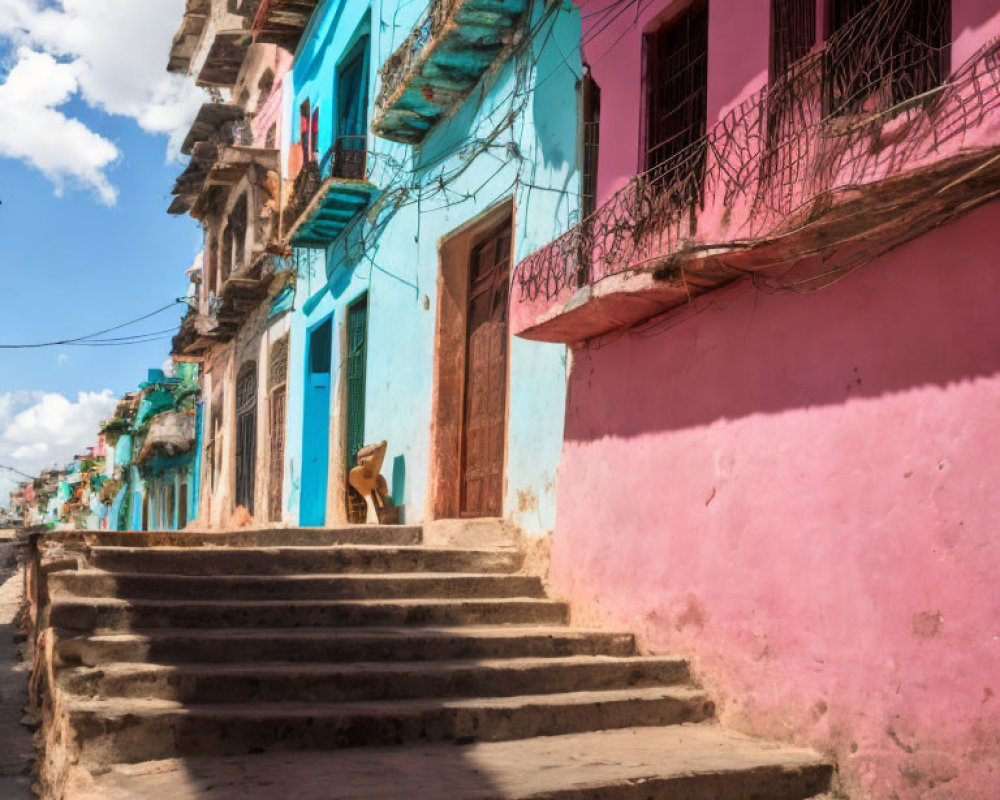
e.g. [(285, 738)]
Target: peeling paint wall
[(800, 493)]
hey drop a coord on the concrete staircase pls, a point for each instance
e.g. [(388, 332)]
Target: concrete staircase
[(356, 661)]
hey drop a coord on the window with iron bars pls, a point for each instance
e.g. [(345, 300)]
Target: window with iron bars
[(881, 53), (676, 98), (793, 33), (591, 138)]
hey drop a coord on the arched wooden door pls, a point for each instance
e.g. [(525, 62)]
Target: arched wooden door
[(246, 434)]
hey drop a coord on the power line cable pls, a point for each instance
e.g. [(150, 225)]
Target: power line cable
[(86, 339)]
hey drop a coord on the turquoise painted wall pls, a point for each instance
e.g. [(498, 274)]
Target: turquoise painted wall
[(514, 139), (159, 394)]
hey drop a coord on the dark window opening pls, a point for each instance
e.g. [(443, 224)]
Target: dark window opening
[(271, 140), (677, 102), (169, 519), (238, 226), (314, 136), (211, 257), (352, 113), (226, 255), (182, 507), (305, 131), (320, 349), (793, 33), (264, 88), (880, 53), (591, 138)]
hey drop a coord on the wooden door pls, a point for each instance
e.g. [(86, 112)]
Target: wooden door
[(277, 379), (485, 420), (246, 434)]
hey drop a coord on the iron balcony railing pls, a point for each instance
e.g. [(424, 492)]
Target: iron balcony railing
[(347, 159), (870, 104)]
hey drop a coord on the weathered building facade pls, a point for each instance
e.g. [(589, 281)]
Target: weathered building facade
[(413, 194), (784, 332), (152, 462), (237, 327)]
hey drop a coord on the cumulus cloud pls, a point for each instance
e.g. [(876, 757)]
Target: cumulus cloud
[(39, 429), (34, 130), (110, 53)]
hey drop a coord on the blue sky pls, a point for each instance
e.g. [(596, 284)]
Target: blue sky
[(71, 265), (89, 125)]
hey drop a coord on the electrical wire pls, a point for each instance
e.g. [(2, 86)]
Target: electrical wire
[(91, 339)]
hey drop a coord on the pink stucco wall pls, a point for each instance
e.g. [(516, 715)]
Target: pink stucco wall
[(737, 63), (802, 494), (270, 112)]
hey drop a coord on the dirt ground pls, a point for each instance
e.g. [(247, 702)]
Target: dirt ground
[(15, 739)]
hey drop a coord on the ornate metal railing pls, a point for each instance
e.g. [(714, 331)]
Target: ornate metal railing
[(347, 159), (868, 105), (397, 67)]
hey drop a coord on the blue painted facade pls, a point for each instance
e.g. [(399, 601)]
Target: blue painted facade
[(157, 480), (510, 147)]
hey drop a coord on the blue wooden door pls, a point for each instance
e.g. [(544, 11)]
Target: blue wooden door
[(316, 426)]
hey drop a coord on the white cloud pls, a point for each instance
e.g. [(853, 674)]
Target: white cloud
[(34, 130), (39, 429), (113, 54), (62, 358)]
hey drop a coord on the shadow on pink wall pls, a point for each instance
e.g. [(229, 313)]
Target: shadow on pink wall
[(810, 508)]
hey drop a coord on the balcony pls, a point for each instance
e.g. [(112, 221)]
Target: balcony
[(232, 164), (327, 195), (224, 59), (170, 434), (220, 319), (198, 334), (219, 122), (185, 44), (846, 157), (440, 63), (190, 183), (282, 22)]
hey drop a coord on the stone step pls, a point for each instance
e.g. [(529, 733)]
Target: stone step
[(95, 583), (678, 762), (339, 683), (296, 560), (110, 614), (399, 535), (338, 645), (121, 730)]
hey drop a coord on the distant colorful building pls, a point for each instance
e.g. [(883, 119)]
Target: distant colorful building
[(153, 459)]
